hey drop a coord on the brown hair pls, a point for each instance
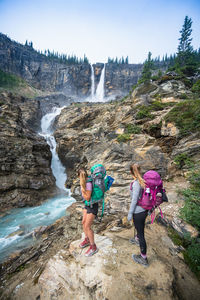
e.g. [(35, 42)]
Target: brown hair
[(82, 173), (135, 171)]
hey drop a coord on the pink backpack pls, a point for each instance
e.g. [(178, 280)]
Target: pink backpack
[(152, 193)]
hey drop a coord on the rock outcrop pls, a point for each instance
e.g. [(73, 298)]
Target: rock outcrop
[(58, 269), (25, 171), (112, 274)]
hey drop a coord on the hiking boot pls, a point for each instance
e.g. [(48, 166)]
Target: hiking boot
[(92, 250), (85, 243), (134, 241), (140, 260)]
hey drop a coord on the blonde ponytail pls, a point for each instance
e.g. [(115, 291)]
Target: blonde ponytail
[(135, 171), (82, 173)]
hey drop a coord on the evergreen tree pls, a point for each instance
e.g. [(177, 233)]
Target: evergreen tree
[(147, 70), (185, 39), (126, 61), (186, 62)]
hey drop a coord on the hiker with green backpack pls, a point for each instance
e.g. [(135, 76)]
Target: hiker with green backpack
[(93, 188)]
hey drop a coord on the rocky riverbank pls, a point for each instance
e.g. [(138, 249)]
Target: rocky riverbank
[(25, 167)]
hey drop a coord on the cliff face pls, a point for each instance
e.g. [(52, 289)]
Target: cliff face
[(72, 80), (41, 72), (119, 79), (25, 172)]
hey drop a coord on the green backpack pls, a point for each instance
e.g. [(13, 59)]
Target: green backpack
[(99, 181)]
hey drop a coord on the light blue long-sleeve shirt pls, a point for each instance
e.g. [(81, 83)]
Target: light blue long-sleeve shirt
[(135, 194)]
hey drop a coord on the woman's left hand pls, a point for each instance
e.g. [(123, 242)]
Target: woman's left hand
[(130, 216)]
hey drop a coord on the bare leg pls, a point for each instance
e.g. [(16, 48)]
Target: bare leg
[(84, 221), (89, 232)]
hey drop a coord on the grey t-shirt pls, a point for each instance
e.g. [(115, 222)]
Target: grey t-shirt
[(135, 192)]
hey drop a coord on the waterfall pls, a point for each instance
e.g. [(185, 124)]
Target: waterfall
[(92, 82), (99, 95), (100, 87), (47, 132)]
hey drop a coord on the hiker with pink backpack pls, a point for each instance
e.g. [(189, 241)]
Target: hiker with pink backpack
[(147, 193)]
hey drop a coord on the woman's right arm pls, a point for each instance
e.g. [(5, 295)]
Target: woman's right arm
[(87, 192)]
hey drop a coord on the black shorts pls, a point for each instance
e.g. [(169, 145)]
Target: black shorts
[(92, 210)]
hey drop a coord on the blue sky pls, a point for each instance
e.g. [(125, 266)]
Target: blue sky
[(100, 28)]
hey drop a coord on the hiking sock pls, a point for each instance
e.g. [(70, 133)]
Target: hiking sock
[(144, 256)]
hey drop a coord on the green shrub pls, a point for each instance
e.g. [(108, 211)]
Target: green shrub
[(183, 96), (191, 214), (122, 138), (132, 129), (191, 210), (182, 160), (194, 180), (144, 112), (10, 80), (192, 257), (158, 76), (196, 87), (134, 87), (186, 116), (175, 237), (191, 253)]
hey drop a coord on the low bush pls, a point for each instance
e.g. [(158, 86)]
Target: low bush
[(196, 87), (191, 253), (144, 111), (191, 214), (9, 80), (183, 160), (186, 116), (132, 129), (122, 138)]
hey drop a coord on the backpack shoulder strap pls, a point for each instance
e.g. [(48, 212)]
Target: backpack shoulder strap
[(89, 179)]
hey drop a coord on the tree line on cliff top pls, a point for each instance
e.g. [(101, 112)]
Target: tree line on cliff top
[(186, 62)]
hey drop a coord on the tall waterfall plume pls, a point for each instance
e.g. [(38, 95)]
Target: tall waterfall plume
[(99, 95)]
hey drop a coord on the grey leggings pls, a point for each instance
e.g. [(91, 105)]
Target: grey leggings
[(139, 222)]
